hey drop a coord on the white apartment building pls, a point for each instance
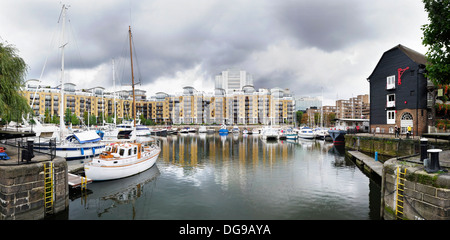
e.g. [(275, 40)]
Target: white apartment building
[(233, 80), (303, 103)]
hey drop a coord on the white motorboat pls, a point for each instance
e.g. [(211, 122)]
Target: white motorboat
[(255, 130), (120, 160), (126, 130), (322, 134), (143, 131), (282, 134), (223, 129), (79, 145), (306, 133), (184, 130), (235, 129), (202, 129), (290, 134), (40, 130), (269, 133)]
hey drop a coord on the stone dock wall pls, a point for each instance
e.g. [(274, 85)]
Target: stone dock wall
[(427, 196), (22, 190), (388, 146)]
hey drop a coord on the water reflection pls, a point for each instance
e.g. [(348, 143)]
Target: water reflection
[(197, 150), (208, 176), (104, 197)]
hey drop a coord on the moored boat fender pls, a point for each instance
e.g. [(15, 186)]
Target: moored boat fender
[(82, 151)]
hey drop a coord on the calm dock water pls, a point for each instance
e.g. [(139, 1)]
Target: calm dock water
[(208, 176)]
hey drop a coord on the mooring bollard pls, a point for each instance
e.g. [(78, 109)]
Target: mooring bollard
[(433, 163), (423, 149)]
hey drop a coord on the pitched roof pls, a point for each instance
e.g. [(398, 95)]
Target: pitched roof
[(416, 57)]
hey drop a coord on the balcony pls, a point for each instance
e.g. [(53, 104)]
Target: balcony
[(390, 86), (390, 104)]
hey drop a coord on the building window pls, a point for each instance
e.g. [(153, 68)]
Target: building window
[(390, 100), (390, 117), (390, 82)]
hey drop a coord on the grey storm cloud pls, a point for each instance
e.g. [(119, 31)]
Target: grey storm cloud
[(327, 25), (286, 44)]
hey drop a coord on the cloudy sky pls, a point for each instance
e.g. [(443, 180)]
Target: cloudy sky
[(303, 45)]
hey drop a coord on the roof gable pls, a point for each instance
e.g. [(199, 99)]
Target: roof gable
[(416, 57)]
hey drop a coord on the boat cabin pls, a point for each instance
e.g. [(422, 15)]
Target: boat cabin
[(122, 150)]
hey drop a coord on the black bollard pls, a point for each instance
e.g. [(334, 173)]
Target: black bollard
[(423, 149), (30, 147), (433, 164)]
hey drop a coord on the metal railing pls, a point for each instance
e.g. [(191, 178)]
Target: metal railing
[(26, 148)]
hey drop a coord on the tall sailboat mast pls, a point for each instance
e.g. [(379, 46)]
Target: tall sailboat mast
[(132, 78), (114, 94), (61, 107)]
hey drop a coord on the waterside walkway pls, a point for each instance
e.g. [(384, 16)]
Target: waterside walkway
[(369, 163)]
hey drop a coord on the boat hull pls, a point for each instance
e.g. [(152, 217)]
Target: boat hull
[(223, 131), (291, 136), (269, 137), (338, 136), (306, 136), (73, 153), (104, 173)]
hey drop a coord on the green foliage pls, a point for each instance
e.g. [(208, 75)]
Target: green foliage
[(85, 117), (436, 36), (92, 120), (12, 78), (47, 118), (67, 116), (299, 115), (331, 118), (55, 119)]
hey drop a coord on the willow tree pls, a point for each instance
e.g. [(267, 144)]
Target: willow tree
[(12, 78)]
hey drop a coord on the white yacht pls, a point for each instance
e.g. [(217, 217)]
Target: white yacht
[(235, 129), (269, 133), (306, 133), (202, 129), (121, 160)]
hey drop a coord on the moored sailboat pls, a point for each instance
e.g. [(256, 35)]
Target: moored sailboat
[(70, 146), (123, 159)]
